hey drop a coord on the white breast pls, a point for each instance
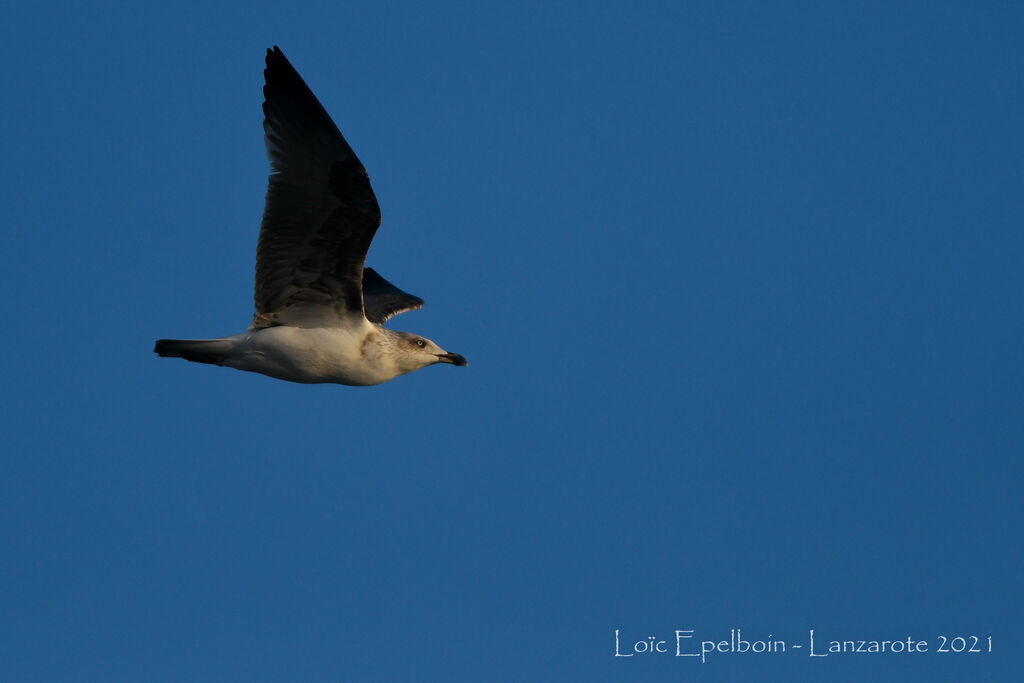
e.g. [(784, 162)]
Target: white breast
[(312, 355)]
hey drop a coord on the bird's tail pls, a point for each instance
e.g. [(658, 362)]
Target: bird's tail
[(213, 351)]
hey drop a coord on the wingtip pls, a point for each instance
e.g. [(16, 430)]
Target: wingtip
[(274, 54)]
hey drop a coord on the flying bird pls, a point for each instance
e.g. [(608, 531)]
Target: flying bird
[(319, 312)]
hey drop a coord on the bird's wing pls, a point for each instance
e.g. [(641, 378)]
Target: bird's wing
[(320, 215), (382, 300)]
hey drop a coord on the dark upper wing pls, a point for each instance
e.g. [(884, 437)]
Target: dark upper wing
[(320, 215), (383, 300)]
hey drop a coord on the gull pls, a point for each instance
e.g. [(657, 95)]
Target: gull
[(319, 312)]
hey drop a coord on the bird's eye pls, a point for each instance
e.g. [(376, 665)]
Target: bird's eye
[(420, 343)]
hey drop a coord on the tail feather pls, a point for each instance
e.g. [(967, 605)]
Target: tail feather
[(213, 351)]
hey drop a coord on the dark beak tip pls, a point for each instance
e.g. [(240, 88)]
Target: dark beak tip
[(454, 359)]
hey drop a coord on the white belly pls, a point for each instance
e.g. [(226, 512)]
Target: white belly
[(311, 355)]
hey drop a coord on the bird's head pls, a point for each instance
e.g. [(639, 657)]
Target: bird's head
[(419, 352)]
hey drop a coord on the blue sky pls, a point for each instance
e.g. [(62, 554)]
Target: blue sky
[(739, 285)]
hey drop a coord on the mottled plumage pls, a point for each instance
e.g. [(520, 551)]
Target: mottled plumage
[(318, 310)]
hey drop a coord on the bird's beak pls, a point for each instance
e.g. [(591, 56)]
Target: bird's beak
[(453, 358)]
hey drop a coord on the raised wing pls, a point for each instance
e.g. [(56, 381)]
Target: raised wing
[(320, 215), (382, 300)]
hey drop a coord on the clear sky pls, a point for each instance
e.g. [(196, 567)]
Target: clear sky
[(740, 288)]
